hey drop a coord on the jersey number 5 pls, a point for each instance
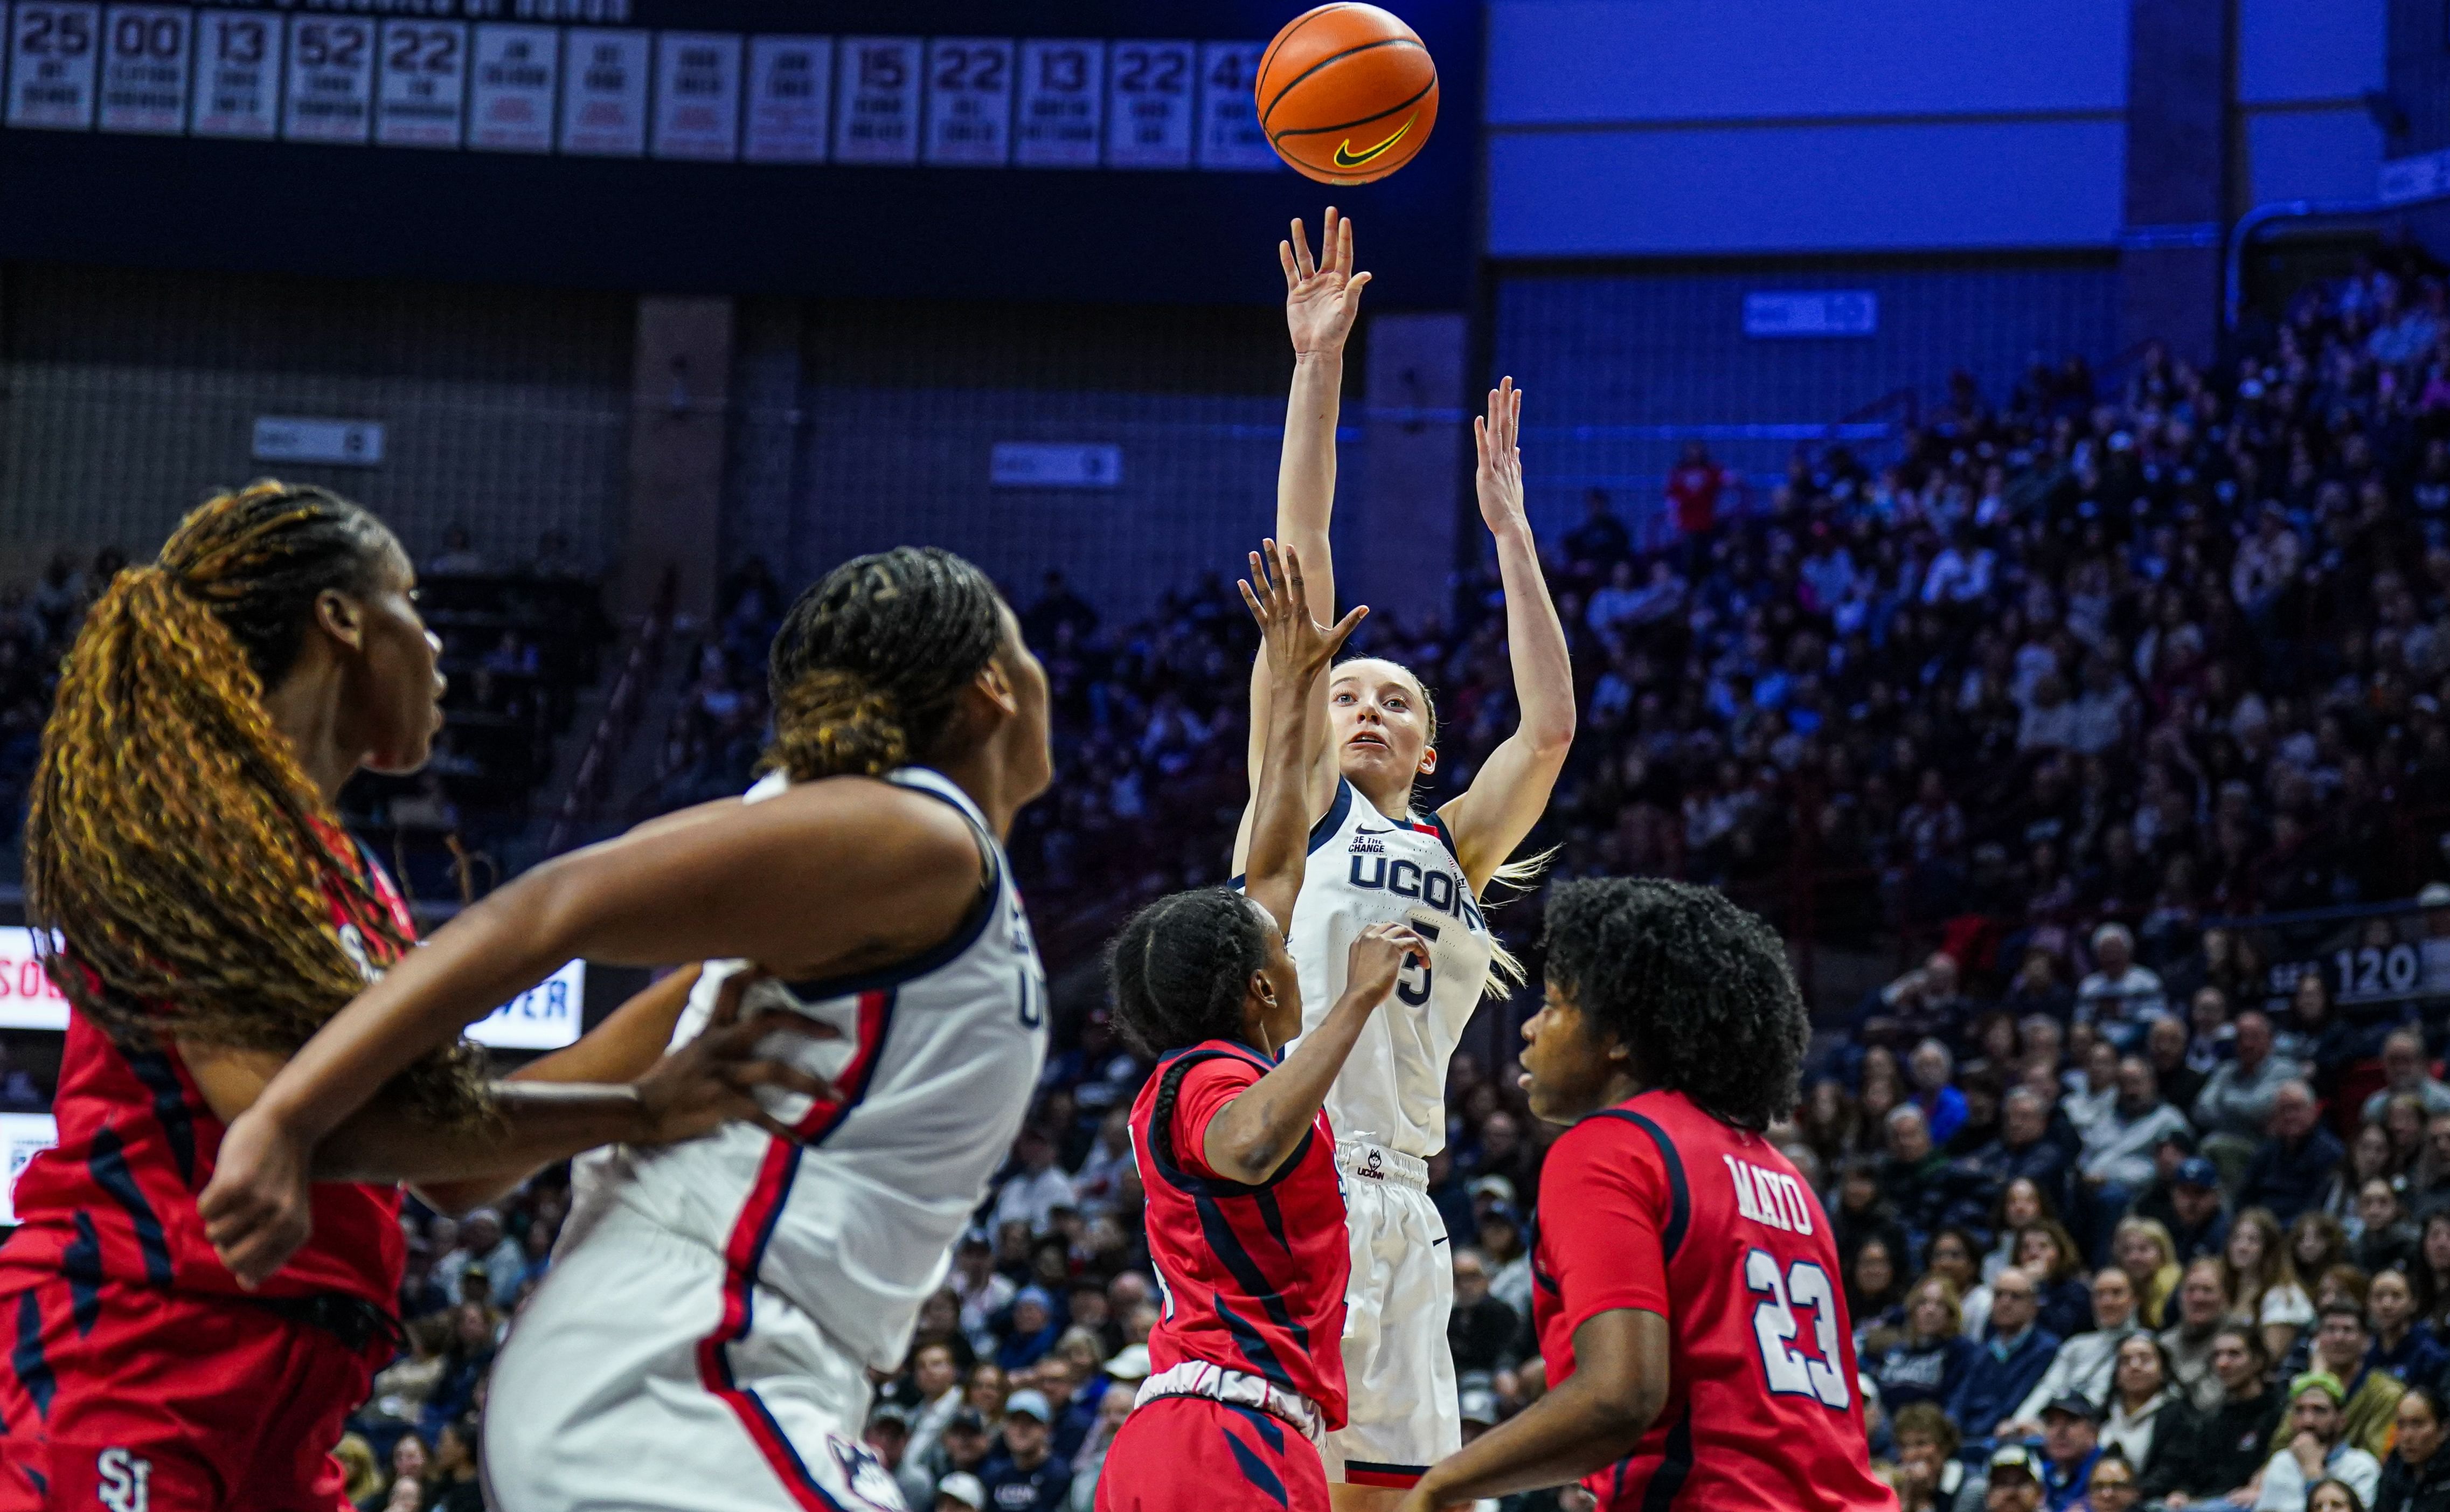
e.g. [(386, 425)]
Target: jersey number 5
[(1412, 983), (1790, 1372)]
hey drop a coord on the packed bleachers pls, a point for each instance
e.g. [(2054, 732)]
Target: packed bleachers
[(2061, 704)]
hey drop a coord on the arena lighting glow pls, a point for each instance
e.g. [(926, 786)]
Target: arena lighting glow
[(546, 1017)]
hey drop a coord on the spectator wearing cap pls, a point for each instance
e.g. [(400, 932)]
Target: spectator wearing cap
[(2369, 1400), (2118, 1148), (2409, 1075), (483, 1247), (1034, 1189), (2199, 1215), (1501, 1240), (983, 1290), (2233, 1113), (2014, 1358), (2117, 995), (2071, 1444), (1035, 1329), (1480, 1329), (961, 1492), (1023, 1475), (964, 1445), (2015, 1480), (2317, 1449), (888, 1436), (2292, 1166)]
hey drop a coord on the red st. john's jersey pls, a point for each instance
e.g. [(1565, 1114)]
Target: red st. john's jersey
[(1253, 1275), (115, 1199), (1655, 1205)]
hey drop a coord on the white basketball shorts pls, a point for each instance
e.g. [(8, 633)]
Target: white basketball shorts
[(643, 1376), (1397, 1371)]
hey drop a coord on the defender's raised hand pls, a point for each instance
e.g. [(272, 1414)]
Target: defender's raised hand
[(1298, 648), (1321, 298)]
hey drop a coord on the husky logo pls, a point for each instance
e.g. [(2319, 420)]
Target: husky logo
[(1368, 843), (124, 1480), (864, 1476), (1371, 1168)]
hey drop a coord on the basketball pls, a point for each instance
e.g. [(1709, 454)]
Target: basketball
[(1346, 93)]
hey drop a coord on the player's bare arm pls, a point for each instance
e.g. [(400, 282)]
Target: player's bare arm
[(1259, 1129), (1511, 788), (1296, 650), (604, 1088), (1322, 300), (889, 872), (1597, 1417)]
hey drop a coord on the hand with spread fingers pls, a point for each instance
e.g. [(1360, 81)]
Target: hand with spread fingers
[(1298, 648), (713, 1079), (1322, 299)]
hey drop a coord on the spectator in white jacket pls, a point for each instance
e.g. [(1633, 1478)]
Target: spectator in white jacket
[(2085, 1363)]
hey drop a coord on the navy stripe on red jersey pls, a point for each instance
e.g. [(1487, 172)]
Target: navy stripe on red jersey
[(875, 1021), (1226, 1244), (108, 1166), (1680, 1215), (1254, 1345), (1272, 1432), (1255, 1469), (1675, 1463), (161, 1078), (81, 1263), (26, 1358)]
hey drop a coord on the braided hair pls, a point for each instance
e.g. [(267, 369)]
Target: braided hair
[(183, 873), (1182, 970), (871, 660), (1696, 988)]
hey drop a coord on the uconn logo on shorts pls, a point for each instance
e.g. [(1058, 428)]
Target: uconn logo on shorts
[(1439, 889)]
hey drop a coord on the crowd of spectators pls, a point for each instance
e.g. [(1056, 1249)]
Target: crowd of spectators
[(2080, 669)]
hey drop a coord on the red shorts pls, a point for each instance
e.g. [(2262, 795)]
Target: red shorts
[(1190, 1454), (116, 1398)]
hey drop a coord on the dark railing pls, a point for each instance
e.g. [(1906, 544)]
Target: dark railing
[(593, 781)]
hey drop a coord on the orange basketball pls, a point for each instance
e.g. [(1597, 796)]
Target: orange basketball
[(1346, 93)]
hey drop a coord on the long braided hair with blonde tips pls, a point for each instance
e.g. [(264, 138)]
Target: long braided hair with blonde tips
[(182, 872), (871, 660)]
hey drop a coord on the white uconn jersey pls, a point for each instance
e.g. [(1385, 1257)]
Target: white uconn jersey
[(1365, 869), (936, 1064)]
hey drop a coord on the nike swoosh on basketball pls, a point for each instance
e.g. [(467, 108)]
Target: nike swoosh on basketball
[(1347, 157)]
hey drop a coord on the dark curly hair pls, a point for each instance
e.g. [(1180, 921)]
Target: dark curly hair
[(1181, 966), (872, 659), (1696, 988)]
